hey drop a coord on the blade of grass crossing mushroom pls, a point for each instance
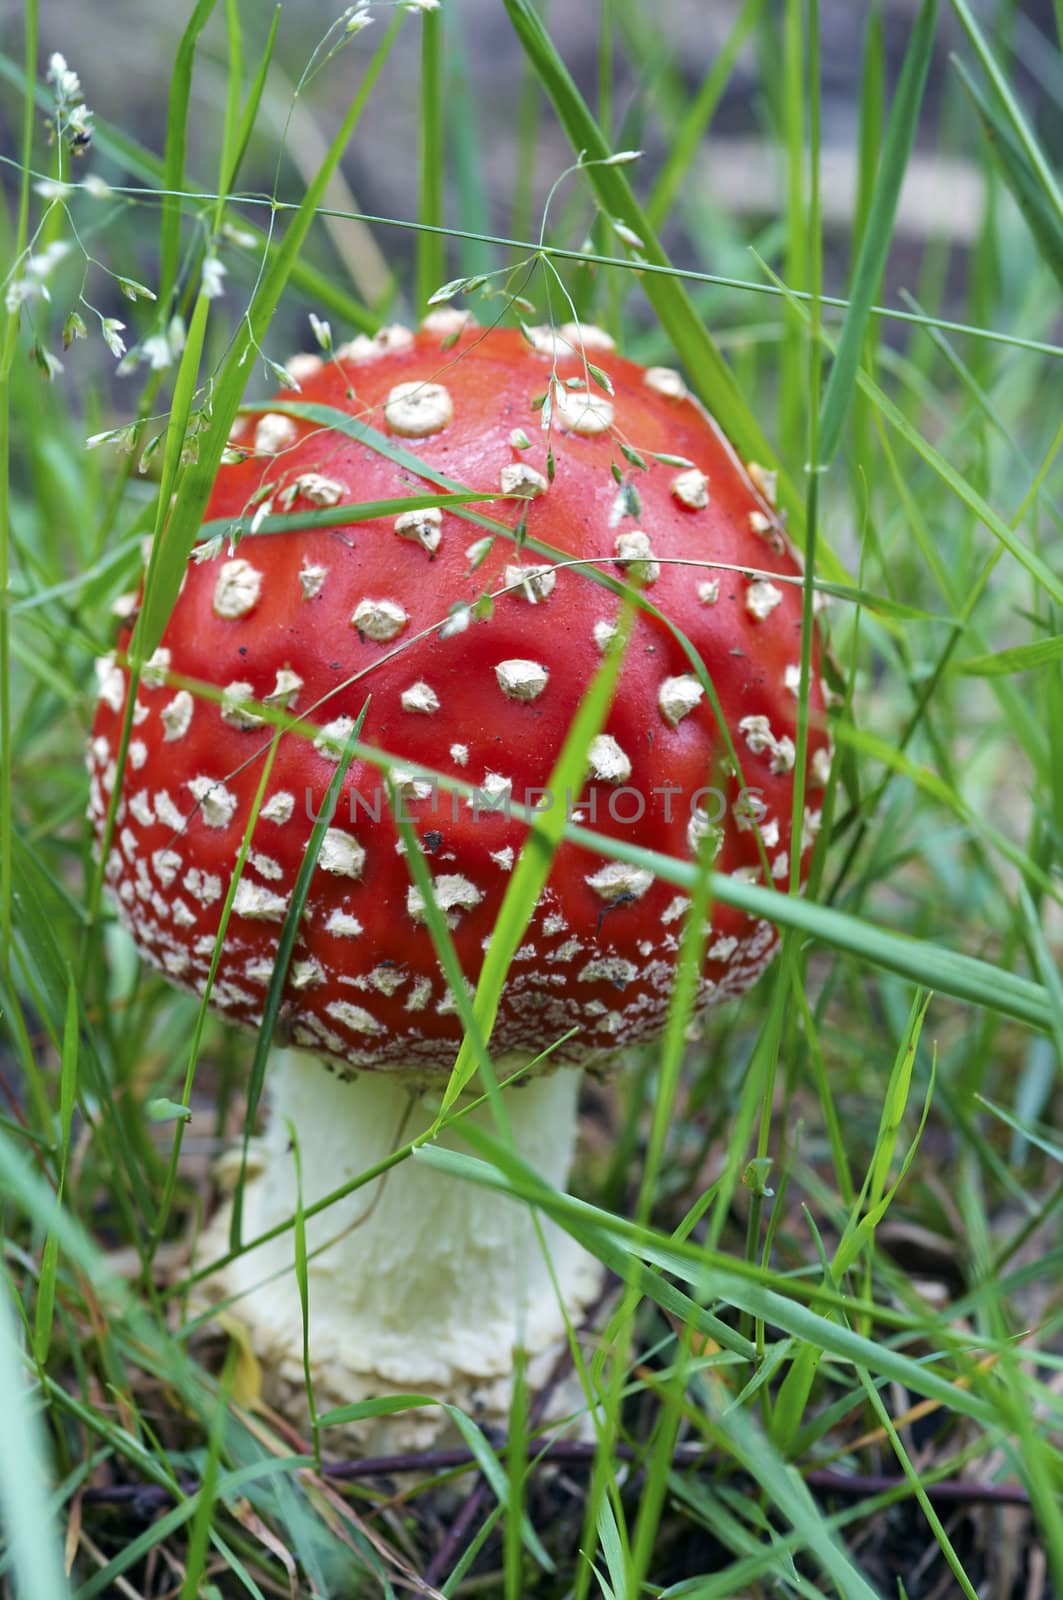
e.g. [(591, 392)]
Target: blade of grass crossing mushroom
[(814, 458), (448, 960), (170, 1180), (44, 1310), (609, 1244), (328, 417), (169, 556), (875, 244), (946, 971), (337, 516), (950, 972), (166, 566), (533, 865), (285, 945), (401, 1153)]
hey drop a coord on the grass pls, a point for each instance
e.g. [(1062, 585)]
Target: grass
[(836, 1217)]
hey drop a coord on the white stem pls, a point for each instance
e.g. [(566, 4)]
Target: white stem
[(427, 1283)]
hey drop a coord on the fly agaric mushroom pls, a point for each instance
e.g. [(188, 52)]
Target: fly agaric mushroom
[(421, 1277)]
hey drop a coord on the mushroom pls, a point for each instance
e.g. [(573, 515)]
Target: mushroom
[(420, 1283)]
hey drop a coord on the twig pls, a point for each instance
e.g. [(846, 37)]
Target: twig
[(576, 1453), (471, 1511)]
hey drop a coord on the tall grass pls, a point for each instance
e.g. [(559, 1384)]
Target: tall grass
[(835, 1217)]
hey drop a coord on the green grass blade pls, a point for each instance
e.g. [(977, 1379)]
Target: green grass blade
[(26, 1520), (8, 347), (465, 138), (1047, 967), (964, 491), (173, 177), (936, 967), (714, 1276), (1009, 106), (234, 155), (1041, 1140), (687, 138), (199, 1536), (234, 72), (677, 314), (532, 869), (1043, 219), (169, 1186), (431, 263), (875, 244), (45, 1308), (285, 945), (236, 528), (1021, 658), (787, 35), (197, 479)]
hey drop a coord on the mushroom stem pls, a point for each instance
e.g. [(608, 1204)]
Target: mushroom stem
[(417, 1281)]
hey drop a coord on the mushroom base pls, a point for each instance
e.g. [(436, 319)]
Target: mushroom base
[(418, 1282)]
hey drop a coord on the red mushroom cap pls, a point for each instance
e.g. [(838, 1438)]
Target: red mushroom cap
[(315, 620)]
